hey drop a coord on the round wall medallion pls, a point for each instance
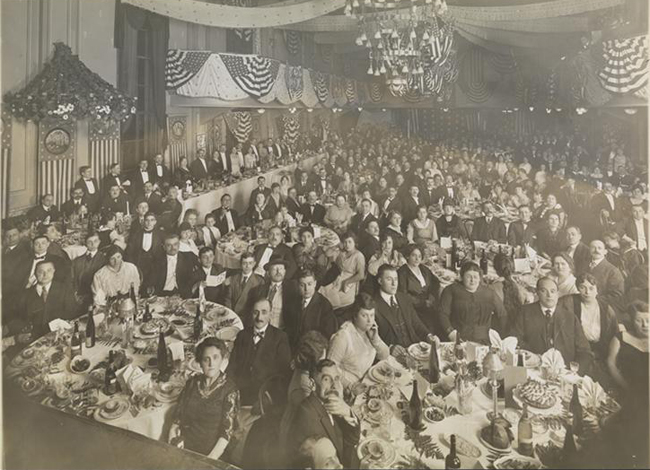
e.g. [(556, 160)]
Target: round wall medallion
[(57, 141), (178, 129)]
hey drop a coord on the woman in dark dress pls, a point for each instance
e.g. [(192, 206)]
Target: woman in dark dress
[(206, 414), (182, 174)]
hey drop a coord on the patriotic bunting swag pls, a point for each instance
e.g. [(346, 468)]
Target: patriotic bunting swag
[(240, 124), (290, 129), (626, 65), (293, 40), (321, 85), (293, 78), (472, 77), (255, 75), (181, 66)]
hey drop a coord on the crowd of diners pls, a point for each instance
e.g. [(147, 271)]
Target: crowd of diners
[(315, 324)]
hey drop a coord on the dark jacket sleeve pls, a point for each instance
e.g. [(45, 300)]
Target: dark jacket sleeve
[(445, 309)]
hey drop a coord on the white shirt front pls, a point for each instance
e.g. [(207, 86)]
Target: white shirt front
[(610, 198), (147, 241), (170, 279), (90, 186), (641, 243), (39, 288), (224, 160), (276, 306), (206, 234), (204, 163), (145, 176), (32, 277), (266, 256), (231, 223), (387, 298), (159, 170), (590, 319)]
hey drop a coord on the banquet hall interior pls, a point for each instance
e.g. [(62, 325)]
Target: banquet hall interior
[(324, 234)]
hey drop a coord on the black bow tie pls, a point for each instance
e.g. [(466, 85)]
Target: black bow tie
[(39, 258), (259, 334)]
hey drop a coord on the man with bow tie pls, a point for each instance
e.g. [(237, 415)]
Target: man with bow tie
[(84, 268), (172, 270), (145, 246), (140, 177), (115, 201), (74, 204), (489, 227), (90, 188), (114, 178), (279, 289), (312, 211), (410, 205), (223, 162), (227, 217), (160, 174), (361, 220), (389, 204), (46, 212), (206, 272), (261, 351), (261, 188), (151, 197), (202, 168), (322, 182), (41, 252)]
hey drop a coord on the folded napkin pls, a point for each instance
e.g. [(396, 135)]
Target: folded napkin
[(59, 325), (591, 393), (507, 345), (553, 360)]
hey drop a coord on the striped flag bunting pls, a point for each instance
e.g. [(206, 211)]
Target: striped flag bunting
[(293, 80), (376, 92), (253, 74), (293, 40), (176, 130), (56, 166), (472, 77), (351, 90), (181, 66), (626, 65), (321, 85), (245, 34), (504, 64), (104, 143), (290, 128), (240, 124), (5, 170)]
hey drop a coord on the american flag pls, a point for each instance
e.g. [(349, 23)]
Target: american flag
[(376, 92), (293, 39), (255, 75), (56, 171), (4, 171), (104, 146), (181, 66), (177, 139), (321, 85), (351, 90), (626, 64)]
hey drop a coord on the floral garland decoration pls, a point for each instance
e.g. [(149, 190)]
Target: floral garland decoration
[(68, 89)]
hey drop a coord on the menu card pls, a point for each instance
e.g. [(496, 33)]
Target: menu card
[(445, 242), (522, 265), (177, 350)]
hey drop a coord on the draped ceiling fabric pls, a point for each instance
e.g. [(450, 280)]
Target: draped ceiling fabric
[(626, 65)]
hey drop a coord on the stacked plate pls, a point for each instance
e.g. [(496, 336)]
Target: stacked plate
[(168, 392), (376, 453), (112, 409)]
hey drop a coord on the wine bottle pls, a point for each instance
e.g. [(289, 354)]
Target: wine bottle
[(198, 323), (525, 434), (452, 460), (147, 314), (133, 297), (454, 256), (434, 362), (459, 350), (75, 342), (415, 407), (110, 379), (569, 449), (90, 330), (484, 263), (576, 410), (162, 357)]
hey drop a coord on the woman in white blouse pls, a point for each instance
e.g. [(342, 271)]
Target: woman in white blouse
[(115, 278), (186, 242), (356, 345), (563, 268), (210, 233)]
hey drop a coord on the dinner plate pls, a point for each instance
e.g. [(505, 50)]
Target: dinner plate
[(379, 416), (168, 392), (79, 365), (376, 375), (420, 351), (228, 333), (515, 461), (31, 387), (543, 410), (113, 408), (215, 312), (387, 451)]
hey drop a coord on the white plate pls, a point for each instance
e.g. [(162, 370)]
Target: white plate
[(77, 359), (499, 463), (418, 353), (390, 454), (228, 333), (123, 405)]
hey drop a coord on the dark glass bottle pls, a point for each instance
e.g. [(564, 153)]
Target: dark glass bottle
[(163, 366), (133, 297), (484, 263), (198, 323), (110, 379), (415, 407), (459, 350), (452, 460), (454, 255), (525, 434), (147, 314), (576, 410), (434, 363), (90, 330), (75, 342), (569, 449)]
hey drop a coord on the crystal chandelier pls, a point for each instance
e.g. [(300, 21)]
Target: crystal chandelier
[(407, 40)]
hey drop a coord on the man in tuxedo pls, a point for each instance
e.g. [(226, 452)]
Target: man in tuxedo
[(369, 242), (84, 268), (222, 160), (578, 251), (521, 232), (304, 184), (261, 351), (261, 188), (322, 182), (115, 201), (429, 193), (449, 224), (292, 203), (550, 239), (173, 271), (114, 178), (74, 204), (606, 204), (449, 190), (324, 413), (238, 291), (637, 229), (145, 246), (489, 227), (279, 289), (552, 323), (396, 318), (609, 279), (360, 222), (160, 174), (26, 272), (226, 217), (202, 168), (170, 210), (312, 212), (89, 186), (141, 176), (276, 149), (15, 253), (311, 311), (46, 212), (137, 222), (410, 205), (46, 300), (151, 197), (389, 204), (207, 269)]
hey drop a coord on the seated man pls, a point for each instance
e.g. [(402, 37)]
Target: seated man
[(551, 323), (325, 414), (261, 351), (551, 238), (115, 201), (396, 318), (261, 188), (90, 188), (137, 221), (151, 197), (279, 290), (489, 227), (202, 168), (144, 246), (361, 220), (637, 228), (41, 252), (312, 212), (84, 268), (238, 291), (578, 251), (369, 242), (522, 232), (207, 274), (73, 206), (173, 270), (46, 212), (226, 217), (170, 210), (609, 279), (277, 249), (449, 224)]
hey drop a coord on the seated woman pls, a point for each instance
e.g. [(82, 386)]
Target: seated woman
[(563, 269), (387, 254), (346, 186), (511, 294), (309, 255), (116, 278), (258, 211), (637, 198), (519, 197), (285, 184), (356, 345), (186, 244), (421, 285), (206, 414), (394, 229), (191, 217), (468, 192), (283, 218), (339, 215), (551, 206), (182, 174), (209, 232), (551, 238), (423, 228), (352, 266), (598, 321), (109, 233)]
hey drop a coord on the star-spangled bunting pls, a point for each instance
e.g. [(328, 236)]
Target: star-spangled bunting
[(293, 79), (321, 85), (181, 66), (293, 40), (253, 74), (626, 65)]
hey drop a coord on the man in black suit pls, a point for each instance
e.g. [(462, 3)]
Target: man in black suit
[(252, 149), (449, 224), (115, 201), (609, 279), (389, 204), (222, 160), (74, 204), (448, 191), (261, 351), (202, 168), (160, 174), (26, 272), (275, 248), (578, 251), (429, 193), (170, 210), (552, 323), (369, 242), (311, 311), (46, 300), (114, 178), (226, 217), (325, 414), (360, 222), (141, 176), (173, 271), (550, 239), (321, 182), (489, 227), (145, 246), (279, 289), (137, 220), (206, 270), (410, 205), (606, 204), (239, 287), (46, 212), (261, 188), (521, 232), (304, 184), (396, 318), (292, 203), (312, 211), (84, 268), (637, 229), (15, 253), (151, 197), (89, 186)]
